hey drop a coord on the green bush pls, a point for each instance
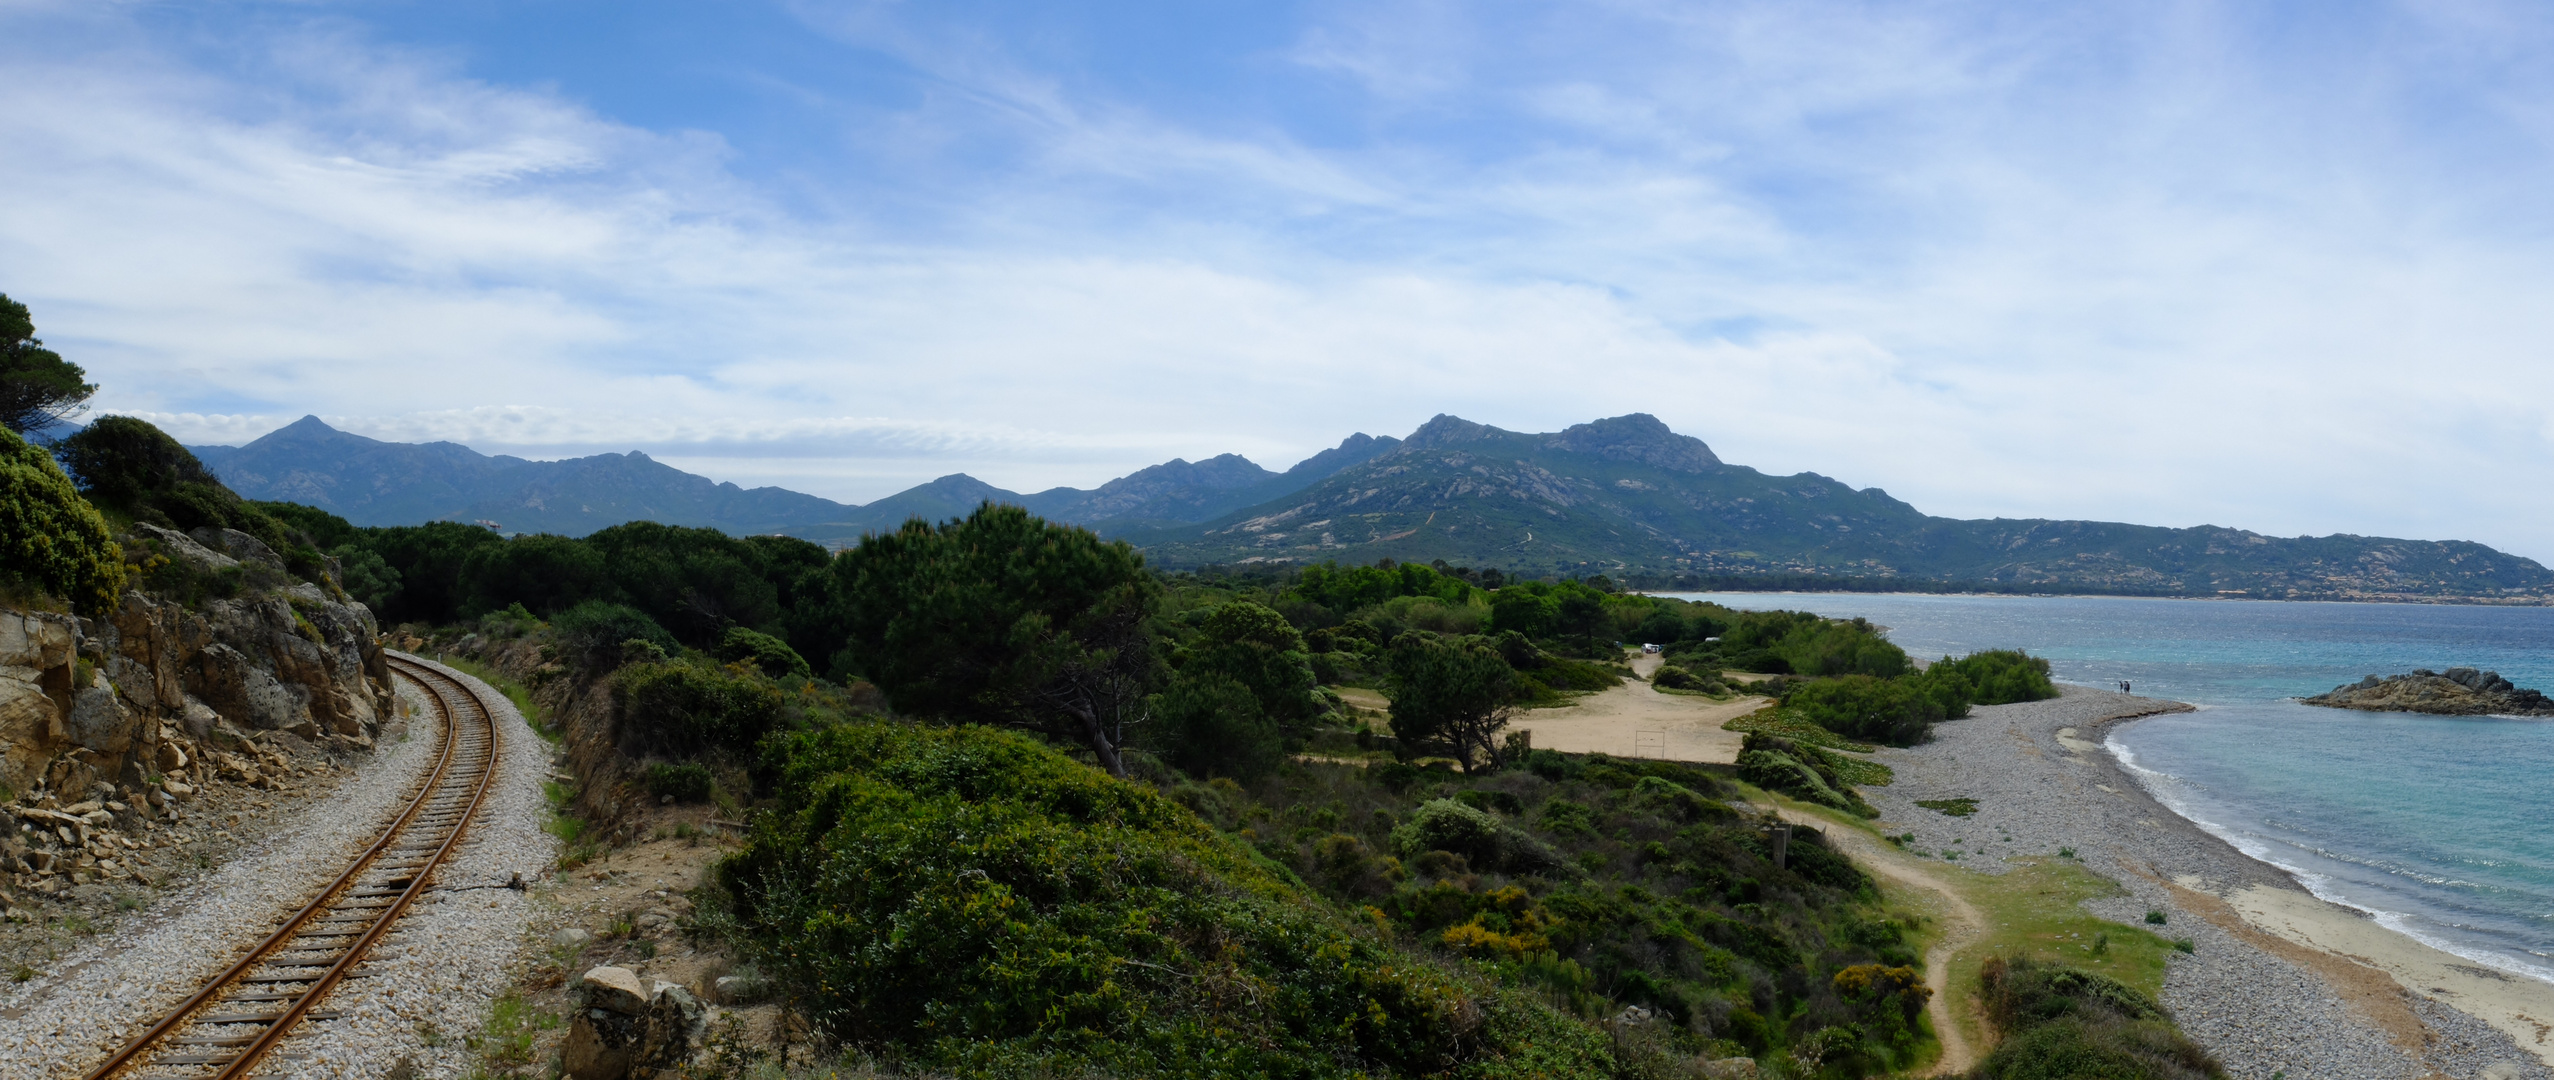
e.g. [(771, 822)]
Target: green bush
[(1802, 771), (1898, 712), (1207, 724), (366, 576), (769, 653), (975, 903), (547, 574), (688, 782), (1852, 647), (685, 708), (1671, 677), (2060, 1023), (51, 540), (1995, 677), (597, 634), (1448, 825), (1669, 900)]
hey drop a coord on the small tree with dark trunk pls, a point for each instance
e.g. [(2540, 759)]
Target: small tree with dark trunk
[(37, 386), (1452, 697)]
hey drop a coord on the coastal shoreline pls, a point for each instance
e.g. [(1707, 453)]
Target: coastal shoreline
[(2279, 980)]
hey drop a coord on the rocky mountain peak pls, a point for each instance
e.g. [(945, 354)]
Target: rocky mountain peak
[(1447, 429), (1637, 437)]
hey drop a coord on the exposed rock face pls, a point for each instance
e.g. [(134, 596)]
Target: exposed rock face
[(36, 671), (85, 701), (2460, 691)]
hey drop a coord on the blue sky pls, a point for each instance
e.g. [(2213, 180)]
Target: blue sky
[(2273, 266)]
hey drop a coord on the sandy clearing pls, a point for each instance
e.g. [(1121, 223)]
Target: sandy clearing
[(1635, 720), (1961, 924)]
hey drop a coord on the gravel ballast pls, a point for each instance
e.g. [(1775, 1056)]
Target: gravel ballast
[(455, 949), (2042, 779)]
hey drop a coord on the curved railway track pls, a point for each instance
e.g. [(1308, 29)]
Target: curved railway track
[(241, 1015)]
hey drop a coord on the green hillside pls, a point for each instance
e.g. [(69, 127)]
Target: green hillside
[(1628, 497)]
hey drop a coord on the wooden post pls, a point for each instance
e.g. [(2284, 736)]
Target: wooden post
[(1782, 845)]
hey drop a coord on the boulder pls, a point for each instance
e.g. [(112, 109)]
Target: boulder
[(30, 732), (740, 989), (615, 988), (100, 721), (239, 688), (676, 1023), (182, 548), (238, 545), (621, 1030), (572, 938)]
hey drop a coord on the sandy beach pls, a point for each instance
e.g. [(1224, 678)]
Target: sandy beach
[(2279, 981)]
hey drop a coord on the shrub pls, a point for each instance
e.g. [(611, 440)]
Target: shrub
[(1453, 827), (769, 653), (1799, 770), (1840, 648), (1892, 711), (1207, 724), (2059, 1023), (1994, 677), (597, 633), (548, 574), (1448, 825), (1671, 677), (51, 540), (126, 465), (1254, 646), (688, 782), (979, 904), (691, 707)]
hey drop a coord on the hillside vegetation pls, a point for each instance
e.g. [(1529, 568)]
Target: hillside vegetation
[(938, 882)]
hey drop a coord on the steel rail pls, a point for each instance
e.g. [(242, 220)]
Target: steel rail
[(454, 765)]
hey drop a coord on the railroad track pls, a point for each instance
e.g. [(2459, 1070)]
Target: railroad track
[(241, 1016)]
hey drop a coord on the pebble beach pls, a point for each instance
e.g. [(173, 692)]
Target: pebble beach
[(2278, 982)]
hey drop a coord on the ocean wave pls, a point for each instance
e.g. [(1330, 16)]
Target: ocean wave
[(2161, 787)]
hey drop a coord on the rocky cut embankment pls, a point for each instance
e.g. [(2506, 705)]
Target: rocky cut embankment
[(121, 714), (2458, 691)]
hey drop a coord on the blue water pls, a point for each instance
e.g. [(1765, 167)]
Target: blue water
[(2440, 827)]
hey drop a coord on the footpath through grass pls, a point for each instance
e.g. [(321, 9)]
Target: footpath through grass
[(2032, 909)]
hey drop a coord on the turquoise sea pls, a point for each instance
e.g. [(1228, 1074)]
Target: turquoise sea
[(2441, 828)]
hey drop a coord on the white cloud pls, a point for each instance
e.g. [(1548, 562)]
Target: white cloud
[(2165, 266)]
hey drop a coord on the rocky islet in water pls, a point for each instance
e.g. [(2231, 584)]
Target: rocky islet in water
[(2460, 691)]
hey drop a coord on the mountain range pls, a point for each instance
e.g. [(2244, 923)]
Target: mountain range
[(1624, 496), (371, 482)]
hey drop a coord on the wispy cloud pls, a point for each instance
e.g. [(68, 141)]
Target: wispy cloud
[(2278, 269)]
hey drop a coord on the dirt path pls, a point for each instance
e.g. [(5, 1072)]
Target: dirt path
[(1962, 924), (1635, 720)]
